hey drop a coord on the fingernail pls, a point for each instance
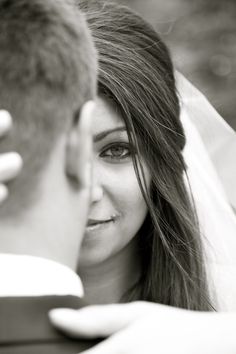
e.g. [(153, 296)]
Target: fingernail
[(3, 192), (5, 120), (91, 105), (86, 123), (62, 314), (12, 159)]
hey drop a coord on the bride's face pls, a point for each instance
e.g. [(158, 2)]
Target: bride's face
[(117, 206)]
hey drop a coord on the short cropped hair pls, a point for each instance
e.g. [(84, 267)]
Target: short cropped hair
[(48, 70)]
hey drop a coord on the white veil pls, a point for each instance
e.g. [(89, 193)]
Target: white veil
[(209, 154)]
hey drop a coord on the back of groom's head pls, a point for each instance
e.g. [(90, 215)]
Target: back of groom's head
[(47, 72)]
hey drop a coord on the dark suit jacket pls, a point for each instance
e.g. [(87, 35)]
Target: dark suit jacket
[(25, 327)]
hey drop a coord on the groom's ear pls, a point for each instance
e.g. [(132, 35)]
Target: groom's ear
[(79, 146)]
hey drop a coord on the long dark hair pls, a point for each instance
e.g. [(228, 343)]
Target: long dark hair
[(136, 72)]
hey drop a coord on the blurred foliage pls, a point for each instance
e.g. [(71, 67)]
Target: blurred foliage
[(202, 37)]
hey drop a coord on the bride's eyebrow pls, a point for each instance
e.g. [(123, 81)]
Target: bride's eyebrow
[(104, 134)]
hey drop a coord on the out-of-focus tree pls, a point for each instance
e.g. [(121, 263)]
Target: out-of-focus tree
[(202, 37)]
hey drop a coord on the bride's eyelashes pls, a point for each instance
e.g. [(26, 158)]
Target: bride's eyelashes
[(116, 152)]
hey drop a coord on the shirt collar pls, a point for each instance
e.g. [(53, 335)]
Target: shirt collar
[(23, 275)]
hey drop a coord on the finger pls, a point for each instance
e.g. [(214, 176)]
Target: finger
[(79, 148), (97, 321), (5, 122), (10, 166), (85, 145), (3, 193)]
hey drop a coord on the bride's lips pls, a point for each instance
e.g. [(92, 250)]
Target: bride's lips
[(96, 224)]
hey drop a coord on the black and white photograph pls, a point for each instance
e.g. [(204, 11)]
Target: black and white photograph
[(117, 176)]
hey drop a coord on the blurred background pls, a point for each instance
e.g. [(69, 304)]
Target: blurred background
[(201, 35)]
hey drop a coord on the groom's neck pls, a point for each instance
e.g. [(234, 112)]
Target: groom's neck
[(38, 233)]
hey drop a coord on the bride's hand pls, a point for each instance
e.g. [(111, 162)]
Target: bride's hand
[(142, 327), (10, 162)]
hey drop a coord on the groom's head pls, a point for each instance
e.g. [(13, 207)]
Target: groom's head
[(47, 72)]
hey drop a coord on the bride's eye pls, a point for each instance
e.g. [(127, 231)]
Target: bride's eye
[(116, 152)]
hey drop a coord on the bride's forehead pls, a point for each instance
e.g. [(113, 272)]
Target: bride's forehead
[(106, 115)]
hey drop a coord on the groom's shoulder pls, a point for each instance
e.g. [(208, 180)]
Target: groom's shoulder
[(25, 327), (30, 287)]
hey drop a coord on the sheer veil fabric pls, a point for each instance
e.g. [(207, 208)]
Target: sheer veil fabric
[(210, 155)]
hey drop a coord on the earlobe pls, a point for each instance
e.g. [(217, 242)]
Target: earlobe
[(79, 147)]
